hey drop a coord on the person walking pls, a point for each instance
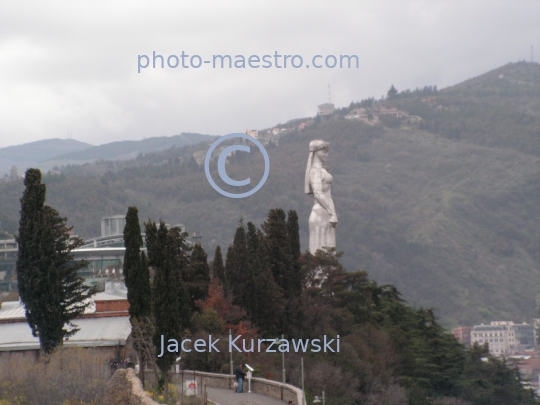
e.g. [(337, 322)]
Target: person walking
[(240, 378)]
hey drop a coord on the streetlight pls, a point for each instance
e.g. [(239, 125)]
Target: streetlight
[(283, 363), (318, 401), (231, 360), (303, 391)]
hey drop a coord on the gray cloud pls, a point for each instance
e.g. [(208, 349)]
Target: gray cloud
[(72, 66)]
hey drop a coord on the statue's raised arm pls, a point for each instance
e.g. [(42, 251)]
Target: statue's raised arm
[(323, 218)]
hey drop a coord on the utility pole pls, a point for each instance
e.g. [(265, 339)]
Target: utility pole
[(283, 362), (303, 392), (232, 365), (329, 95)]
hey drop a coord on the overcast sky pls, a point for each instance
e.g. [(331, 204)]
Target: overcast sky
[(71, 67)]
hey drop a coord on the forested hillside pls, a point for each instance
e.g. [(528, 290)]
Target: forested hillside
[(446, 210), (500, 108)]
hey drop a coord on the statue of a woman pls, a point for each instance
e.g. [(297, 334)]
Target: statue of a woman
[(323, 218)]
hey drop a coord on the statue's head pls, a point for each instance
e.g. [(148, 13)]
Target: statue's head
[(318, 144)]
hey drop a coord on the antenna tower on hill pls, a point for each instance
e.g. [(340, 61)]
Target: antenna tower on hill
[(329, 95)]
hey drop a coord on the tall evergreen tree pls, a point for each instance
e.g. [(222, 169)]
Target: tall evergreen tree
[(166, 255), (277, 246), (198, 274), (49, 285), (137, 279), (293, 233), (136, 275), (218, 269), (392, 93), (13, 174), (267, 304), (237, 261), (250, 270), (193, 166)]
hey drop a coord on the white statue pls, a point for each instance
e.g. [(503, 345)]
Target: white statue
[(323, 218)]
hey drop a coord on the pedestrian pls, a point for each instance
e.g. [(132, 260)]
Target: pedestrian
[(240, 378)]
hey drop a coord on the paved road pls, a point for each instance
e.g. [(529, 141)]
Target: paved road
[(229, 397)]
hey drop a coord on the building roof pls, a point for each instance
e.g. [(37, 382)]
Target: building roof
[(12, 310), (119, 216), (94, 332)]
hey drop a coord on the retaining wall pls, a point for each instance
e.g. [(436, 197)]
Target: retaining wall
[(124, 388)]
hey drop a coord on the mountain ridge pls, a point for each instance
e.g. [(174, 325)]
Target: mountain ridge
[(31, 152), (48, 153), (112, 150)]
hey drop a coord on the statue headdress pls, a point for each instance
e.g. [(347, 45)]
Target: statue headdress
[(314, 146)]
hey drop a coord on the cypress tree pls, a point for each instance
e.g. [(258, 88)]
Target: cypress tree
[(237, 261), (49, 285), (249, 271), (266, 298), (293, 233), (218, 269), (163, 252), (193, 166), (137, 279), (136, 274), (278, 253), (229, 269), (199, 274)]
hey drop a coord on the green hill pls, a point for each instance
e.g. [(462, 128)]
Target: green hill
[(500, 108), (28, 154), (451, 221)]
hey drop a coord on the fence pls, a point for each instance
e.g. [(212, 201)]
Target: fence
[(274, 389)]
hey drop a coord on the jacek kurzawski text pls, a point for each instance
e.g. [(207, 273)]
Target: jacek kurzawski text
[(324, 345)]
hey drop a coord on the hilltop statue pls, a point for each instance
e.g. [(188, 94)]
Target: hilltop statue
[(323, 218)]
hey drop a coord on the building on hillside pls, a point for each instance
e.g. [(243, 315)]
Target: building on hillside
[(326, 109), (504, 337), (389, 112), (253, 133), (463, 335), (529, 366), (357, 114), (104, 326)]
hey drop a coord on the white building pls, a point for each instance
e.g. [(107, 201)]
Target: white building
[(104, 326), (504, 337), (326, 109), (113, 225), (253, 133)]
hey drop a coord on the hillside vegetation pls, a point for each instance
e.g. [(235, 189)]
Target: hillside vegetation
[(452, 221), (500, 108)]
